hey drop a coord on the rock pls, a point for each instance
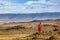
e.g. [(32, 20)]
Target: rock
[(53, 38)]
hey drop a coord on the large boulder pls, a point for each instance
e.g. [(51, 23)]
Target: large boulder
[(53, 38)]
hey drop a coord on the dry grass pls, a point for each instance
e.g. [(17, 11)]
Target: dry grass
[(25, 31)]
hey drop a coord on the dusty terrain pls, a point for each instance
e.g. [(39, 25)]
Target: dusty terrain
[(28, 31)]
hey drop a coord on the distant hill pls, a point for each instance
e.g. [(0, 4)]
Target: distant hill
[(46, 20), (28, 17)]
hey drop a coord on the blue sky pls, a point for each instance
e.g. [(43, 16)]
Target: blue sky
[(29, 6), (20, 1)]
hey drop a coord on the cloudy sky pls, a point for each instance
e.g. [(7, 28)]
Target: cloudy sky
[(29, 6)]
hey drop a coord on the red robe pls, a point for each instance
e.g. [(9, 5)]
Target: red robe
[(39, 27)]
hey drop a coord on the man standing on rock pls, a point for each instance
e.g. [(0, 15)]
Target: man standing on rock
[(40, 27)]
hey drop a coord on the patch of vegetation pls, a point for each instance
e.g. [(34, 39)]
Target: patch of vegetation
[(58, 32), (15, 27), (52, 38), (55, 30), (55, 26), (46, 25)]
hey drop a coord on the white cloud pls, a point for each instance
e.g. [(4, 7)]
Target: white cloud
[(30, 7), (44, 6)]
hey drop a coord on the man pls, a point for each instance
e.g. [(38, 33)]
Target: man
[(40, 27)]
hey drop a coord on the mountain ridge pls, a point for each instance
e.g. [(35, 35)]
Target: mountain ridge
[(29, 17)]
